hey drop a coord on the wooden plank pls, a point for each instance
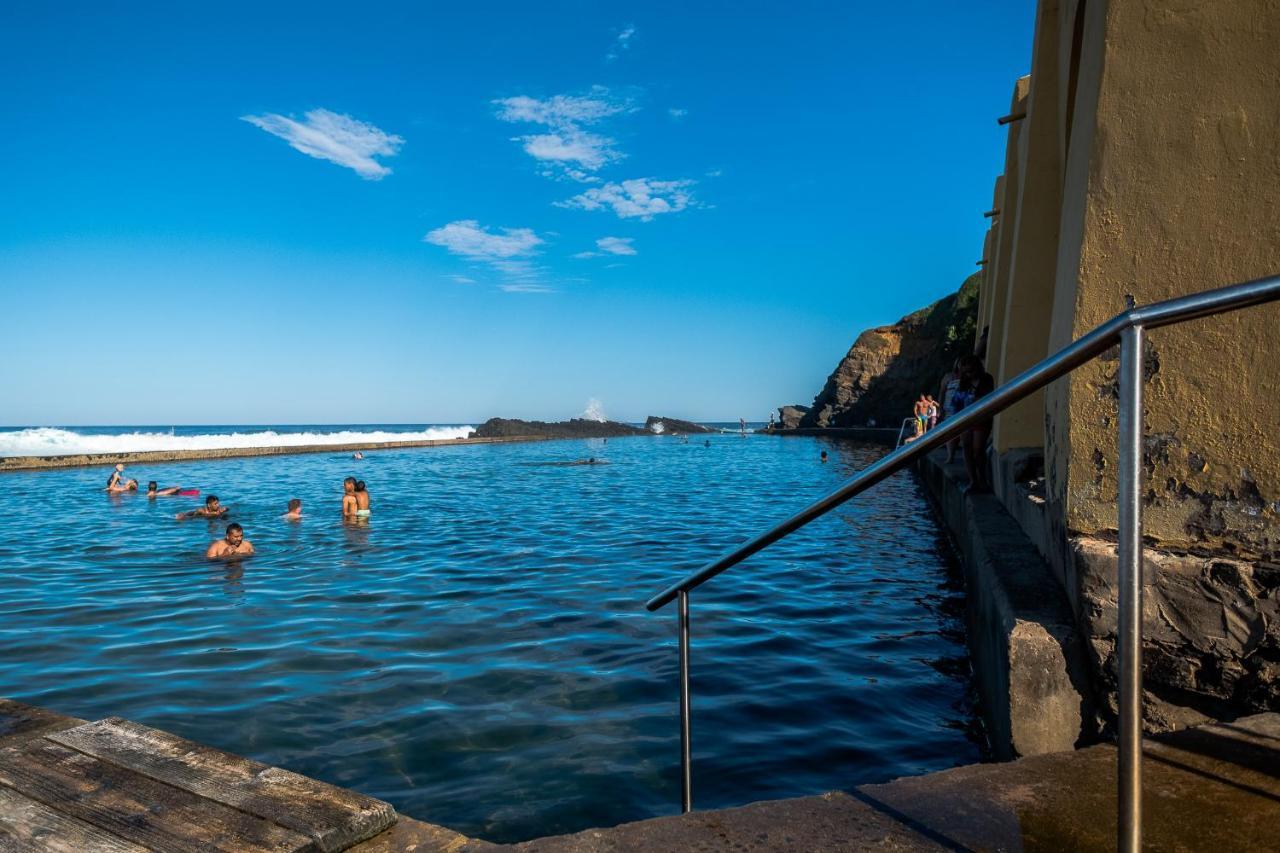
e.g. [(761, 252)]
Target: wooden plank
[(20, 723), (26, 825), (133, 807), (334, 818)]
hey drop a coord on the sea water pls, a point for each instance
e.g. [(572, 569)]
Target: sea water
[(478, 653)]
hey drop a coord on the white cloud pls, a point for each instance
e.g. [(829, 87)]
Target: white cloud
[(677, 112), (334, 137), (642, 198), (617, 245), (507, 250), (526, 287), (462, 279), (621, 43), (567, 145), (584, 255)]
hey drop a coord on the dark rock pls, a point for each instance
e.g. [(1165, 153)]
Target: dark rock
[(674, 426), (573, 428), (889, 367), (790, 417)]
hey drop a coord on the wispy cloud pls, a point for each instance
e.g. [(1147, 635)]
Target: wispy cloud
[(611, 246), (507, 250), (677, 112), (567, 145), (617, 245), (525, 287), (462, 279), (334, 137), (641, 198), (621, 43)]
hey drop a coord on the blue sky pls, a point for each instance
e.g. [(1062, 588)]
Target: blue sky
[(293, 213)]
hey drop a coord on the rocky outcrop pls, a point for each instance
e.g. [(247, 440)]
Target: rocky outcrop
[(790, 417), (673, 426), (888, 367), (573, 428)]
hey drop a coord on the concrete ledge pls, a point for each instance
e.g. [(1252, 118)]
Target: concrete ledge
[(83, 460), (1029, 662)]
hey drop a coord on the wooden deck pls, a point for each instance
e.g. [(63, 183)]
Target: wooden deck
[(112, 785)]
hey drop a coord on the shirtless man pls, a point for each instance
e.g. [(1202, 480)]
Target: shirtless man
[(349, 505), (154, 491), (233, 545), (123, 486), (211, 509), (295, 510)]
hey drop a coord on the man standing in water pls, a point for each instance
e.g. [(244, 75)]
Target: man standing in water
[(349, 505), (233, 545)]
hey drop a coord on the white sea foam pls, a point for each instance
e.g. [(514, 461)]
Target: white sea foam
[(48, 441), (594, 411)]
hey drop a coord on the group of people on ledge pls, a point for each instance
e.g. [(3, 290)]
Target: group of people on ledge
[(356, 506), (966, 382)]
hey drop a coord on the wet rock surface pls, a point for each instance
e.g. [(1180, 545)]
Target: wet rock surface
[(572, 428), (674, 426)]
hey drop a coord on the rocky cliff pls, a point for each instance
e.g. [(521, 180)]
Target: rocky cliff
[(674, 426), (888, 367)]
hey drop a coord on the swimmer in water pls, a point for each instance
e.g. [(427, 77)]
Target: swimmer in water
[(823, 457), (706, 443), (212, 509), (357, 455), (295, 510), (349, 505), (362, 500), (231, 546), (123, 486), (154, 491)]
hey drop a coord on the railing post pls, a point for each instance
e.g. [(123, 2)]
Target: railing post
[(1129, 630), (686, 759)]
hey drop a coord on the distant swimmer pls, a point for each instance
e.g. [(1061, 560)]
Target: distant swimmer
[(362, 500), (706, 443), (349, 505), (357, 455), (231, 546), (823, 457), (589, 461), (212, 509), (123, 486), (295, 510), (154, 491)]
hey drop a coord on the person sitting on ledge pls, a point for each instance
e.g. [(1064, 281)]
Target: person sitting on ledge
[(295, 510), (154, 491), (232, 545), (211, 509)]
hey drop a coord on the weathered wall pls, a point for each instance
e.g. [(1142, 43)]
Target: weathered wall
[(1034, 219), (1173, 185)]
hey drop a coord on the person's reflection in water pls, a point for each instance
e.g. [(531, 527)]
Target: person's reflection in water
[(232, 574), (356, 532)]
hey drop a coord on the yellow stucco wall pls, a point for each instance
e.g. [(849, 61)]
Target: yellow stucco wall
[(1172, 185), (999, 279), (1029, 303)]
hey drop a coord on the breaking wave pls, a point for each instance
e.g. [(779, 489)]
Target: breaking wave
[(50, 441)]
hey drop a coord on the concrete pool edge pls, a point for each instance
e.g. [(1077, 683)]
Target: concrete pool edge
[(91, 460)]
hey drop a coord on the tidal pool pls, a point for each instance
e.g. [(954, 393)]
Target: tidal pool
[(479, 654)]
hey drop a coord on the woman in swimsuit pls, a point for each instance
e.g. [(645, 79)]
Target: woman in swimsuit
[(362, 500)]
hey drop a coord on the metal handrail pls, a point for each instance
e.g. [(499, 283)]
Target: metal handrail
[(902, 429), (1127, 329)]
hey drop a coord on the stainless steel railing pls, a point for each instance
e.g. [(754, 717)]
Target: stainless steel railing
[(1128, 329)]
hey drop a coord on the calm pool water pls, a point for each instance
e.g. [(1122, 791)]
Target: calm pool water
[(479, 654)]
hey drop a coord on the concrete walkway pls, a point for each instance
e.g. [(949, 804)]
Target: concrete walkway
[(1214, 788)]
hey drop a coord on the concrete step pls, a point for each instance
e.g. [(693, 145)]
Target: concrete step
[(1215, 788)]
